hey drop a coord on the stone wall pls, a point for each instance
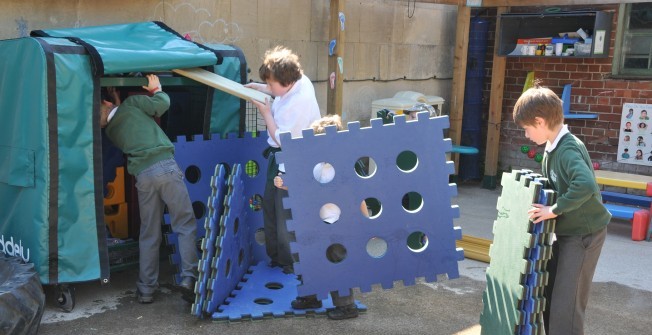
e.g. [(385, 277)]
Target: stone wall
[(389, 46)]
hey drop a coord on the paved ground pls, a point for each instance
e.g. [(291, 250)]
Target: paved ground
[(620, 303)]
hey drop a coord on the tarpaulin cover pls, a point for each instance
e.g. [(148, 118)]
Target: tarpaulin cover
[(51, 184), (136, 47), (226, 108), (48, 184)]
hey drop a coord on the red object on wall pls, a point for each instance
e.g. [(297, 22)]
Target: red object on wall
[(596, 166), (532, 153)]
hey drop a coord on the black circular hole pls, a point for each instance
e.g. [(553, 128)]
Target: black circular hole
[(199, 208), (365, 167), (336, 253), (274, 286), (407, 161), (263, 301), (412, 202), (193, 174)]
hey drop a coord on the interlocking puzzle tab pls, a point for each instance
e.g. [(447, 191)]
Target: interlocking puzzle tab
[(212, 227), (197, 158), (401, 173), (516, 276)]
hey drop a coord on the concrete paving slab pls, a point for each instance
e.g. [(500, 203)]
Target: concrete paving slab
[(620, 302)]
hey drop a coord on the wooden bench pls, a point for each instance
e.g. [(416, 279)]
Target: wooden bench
[(640, 218), (626, 180)]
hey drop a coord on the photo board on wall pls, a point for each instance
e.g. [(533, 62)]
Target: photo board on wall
[(635, 140)]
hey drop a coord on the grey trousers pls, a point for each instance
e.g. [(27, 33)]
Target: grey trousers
[(159, 185), (277, 237), (571, 273)]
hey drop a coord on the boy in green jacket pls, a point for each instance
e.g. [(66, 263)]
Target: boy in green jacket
[(582, 219), (159, 181)]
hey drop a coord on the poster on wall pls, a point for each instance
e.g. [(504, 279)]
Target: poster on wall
[(635, 140)]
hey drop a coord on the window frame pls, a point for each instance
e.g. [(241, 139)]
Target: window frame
[(617, 69)]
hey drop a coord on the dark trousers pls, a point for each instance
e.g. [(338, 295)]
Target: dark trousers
[(571, 269), (277, 237)]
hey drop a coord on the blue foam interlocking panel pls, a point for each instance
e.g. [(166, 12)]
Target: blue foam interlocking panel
[(213, 229), (197, 159), (267, 292), (388, 184), (233, 246)]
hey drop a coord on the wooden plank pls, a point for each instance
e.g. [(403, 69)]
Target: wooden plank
[(222, 84), (459, 76), (621, 179), (334, 85), (495, 112)]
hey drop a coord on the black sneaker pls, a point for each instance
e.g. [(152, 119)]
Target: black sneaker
[(306, 302), (343, 312), (187, 288), (144, 298)]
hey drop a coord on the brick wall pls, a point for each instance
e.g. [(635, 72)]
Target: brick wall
[(593, 91)]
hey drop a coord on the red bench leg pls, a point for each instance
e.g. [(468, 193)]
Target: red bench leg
[(640, 224)]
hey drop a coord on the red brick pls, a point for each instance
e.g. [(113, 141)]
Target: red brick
[(620, 84), (645, 94), (640, 85), (611, 118), (593, 68), (600, 108), (615, 101), (592, 84), (599, 132), (582, 68), (605, 60), (579, 107), (581, 76), (602, 100), (559, 75), (581, 91), (571, 67), (626, 93), (605, 68), (597, 76)]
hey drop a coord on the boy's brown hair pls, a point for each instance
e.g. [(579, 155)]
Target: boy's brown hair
[(540, 102), (319, 126), (282, 65)]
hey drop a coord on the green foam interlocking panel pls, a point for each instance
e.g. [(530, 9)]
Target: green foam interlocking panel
[(513, 299)]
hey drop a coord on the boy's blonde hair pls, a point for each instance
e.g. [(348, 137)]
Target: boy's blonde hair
[(319, 126), (540, 102), (282, 65)]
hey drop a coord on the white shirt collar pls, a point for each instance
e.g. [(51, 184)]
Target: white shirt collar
[(111, 114), (551, 146)]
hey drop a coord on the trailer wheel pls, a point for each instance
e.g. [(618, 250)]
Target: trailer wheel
[(21, 297), (66, 297)]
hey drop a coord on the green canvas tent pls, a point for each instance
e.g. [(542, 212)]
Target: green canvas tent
[(51, 184)]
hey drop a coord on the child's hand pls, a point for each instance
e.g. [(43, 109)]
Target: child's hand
[(278, 182), (263, 108), (153, 84), (257, 86), (540, 213)]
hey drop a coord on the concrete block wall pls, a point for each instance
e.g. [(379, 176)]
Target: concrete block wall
[(390, 45)]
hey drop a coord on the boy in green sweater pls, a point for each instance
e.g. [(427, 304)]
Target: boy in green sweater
[(582, 219), (159, 181)]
